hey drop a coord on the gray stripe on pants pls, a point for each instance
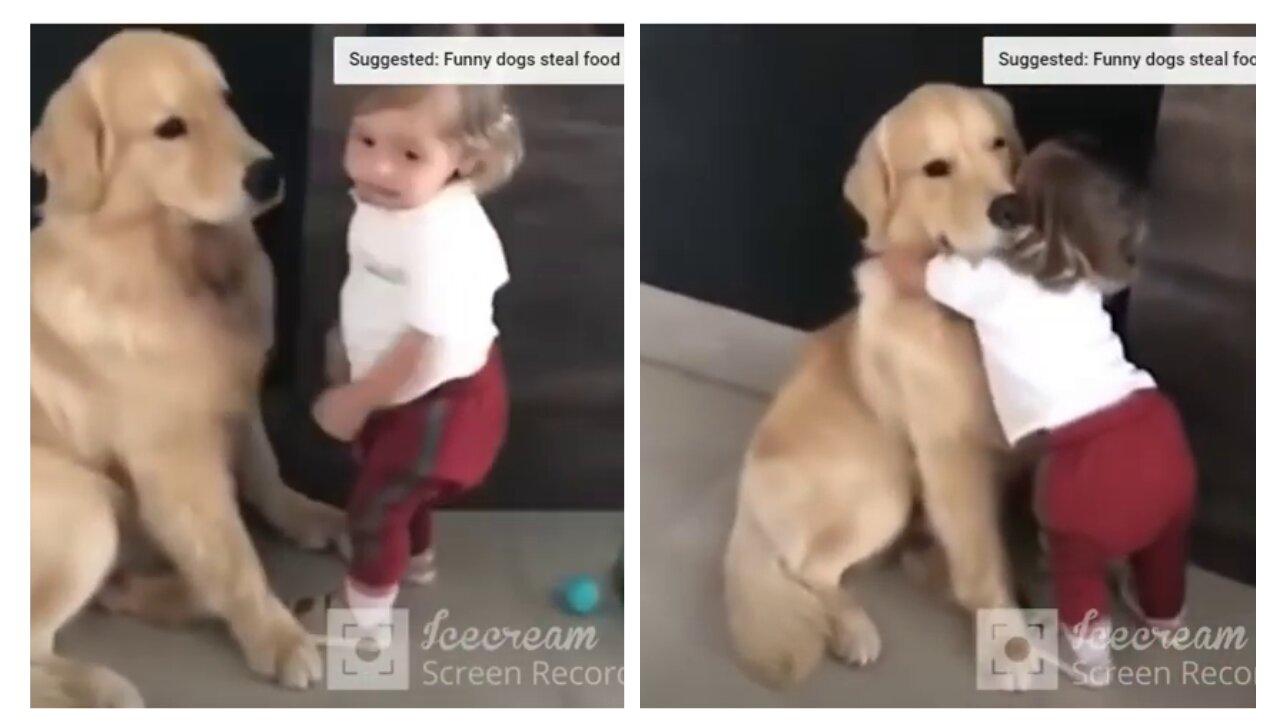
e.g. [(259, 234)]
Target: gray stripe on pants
[(436, 414), (367, 522)]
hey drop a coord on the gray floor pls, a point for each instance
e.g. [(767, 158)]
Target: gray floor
[(694, 426), (496, 570)]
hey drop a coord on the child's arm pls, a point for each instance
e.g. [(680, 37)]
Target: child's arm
[(337, 370), (438, 274), (395, 368), (956, 282), (962, 285), (343, 409)]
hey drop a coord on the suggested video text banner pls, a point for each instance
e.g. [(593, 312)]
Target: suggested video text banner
[(1119, 60), (477, 60)]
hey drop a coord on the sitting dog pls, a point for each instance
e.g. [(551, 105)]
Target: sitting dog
[(150, 321), (887, 408)]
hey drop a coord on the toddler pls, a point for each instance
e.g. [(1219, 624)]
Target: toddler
[(1117, 480), (425, 406)]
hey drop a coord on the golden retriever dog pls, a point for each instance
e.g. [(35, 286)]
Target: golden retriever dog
[(150, 320), (887, 409)]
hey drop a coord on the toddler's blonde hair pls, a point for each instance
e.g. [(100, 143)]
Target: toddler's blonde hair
[(484, 124)]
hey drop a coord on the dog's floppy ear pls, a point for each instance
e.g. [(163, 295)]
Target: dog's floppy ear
[(868, 184), (1000, 106), (69, 147)]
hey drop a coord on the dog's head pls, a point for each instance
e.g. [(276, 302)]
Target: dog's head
[(1088, 220), (937, 172), (143, 125)]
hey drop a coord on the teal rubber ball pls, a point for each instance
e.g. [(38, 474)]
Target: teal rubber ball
[(580, 594)]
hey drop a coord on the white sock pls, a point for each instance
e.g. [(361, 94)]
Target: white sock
[(369, 607), (1091, 648), (421, 568)]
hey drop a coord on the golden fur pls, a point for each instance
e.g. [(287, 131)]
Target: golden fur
[(150, 317), (886, 409)]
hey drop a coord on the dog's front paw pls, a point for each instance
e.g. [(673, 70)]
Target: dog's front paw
[(856, 639), (286, 653)]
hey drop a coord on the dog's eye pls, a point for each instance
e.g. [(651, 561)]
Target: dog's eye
[(368, 141), (172, 128), (412, 156), (937, 168), (998, 143)]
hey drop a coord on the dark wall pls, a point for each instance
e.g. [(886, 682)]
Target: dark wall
[(269, 70), (1193, 321), (748, 131)]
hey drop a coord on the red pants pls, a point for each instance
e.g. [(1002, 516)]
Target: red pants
[(414, 456), (1119, 483)]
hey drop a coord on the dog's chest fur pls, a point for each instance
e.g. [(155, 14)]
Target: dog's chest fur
[(174, 310), (221, 269), (918, 360)]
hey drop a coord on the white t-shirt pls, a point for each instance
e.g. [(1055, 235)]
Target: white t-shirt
[(1051, 356), (435, 268)]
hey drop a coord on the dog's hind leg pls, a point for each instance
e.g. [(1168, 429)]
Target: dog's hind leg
[(164, 599), (311, 524), (853, 637), (61, 682), (922, 558), (66, 569), (865, 530)]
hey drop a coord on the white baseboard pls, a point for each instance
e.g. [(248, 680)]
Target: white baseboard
[(714, 342)]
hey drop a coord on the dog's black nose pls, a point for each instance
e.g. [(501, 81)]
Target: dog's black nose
[(262, 179), (1006, 212)]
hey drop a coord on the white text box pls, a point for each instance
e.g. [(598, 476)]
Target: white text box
[(1119, 60), (477, 60)]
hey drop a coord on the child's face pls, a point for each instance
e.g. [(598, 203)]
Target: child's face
[(397, 158)]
